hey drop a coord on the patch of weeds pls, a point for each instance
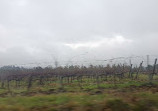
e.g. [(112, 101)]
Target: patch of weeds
[(95, 92), (145, 105), (62, 100), (117, 105), (70, 106)]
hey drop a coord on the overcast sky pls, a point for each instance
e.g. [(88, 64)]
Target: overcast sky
[(76, 30)]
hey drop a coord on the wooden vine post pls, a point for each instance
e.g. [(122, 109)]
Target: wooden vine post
[(153, 72)]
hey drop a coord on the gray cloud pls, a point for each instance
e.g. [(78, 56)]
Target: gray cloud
[(37, 30)]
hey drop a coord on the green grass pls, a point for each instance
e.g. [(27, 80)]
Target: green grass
[(55, 87), (50, 101), (80, 101), (108, 95)]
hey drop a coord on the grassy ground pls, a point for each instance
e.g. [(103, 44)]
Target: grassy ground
[(126, 95)]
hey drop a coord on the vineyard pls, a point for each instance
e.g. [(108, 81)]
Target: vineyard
[(93, 82)]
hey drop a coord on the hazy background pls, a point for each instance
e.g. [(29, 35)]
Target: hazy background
[(42, 31)]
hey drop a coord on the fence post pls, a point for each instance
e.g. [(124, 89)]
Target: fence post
[(130, 72), (152, 74), (29, 83), (138, 70)]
